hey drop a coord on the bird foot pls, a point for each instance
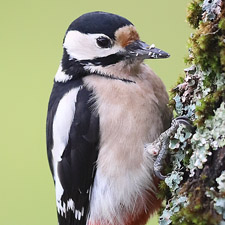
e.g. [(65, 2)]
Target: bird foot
[(159, 147)]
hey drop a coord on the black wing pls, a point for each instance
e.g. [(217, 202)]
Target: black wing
[(76, 170)]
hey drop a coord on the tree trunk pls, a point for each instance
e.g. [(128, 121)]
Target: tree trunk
[(195, 187)]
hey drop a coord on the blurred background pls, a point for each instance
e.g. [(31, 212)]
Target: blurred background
[(31, 34)]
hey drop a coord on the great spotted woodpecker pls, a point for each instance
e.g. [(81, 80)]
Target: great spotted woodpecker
[(105, 106)]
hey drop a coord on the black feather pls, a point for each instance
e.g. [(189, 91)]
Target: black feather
[(99, 23), (77, 168)]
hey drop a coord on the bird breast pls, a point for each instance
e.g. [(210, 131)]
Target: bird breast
[(130, 116)]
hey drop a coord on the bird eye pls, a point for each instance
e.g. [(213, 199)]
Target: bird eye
[(104, 42)]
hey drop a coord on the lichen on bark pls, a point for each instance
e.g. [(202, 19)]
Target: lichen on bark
[(195, 188)]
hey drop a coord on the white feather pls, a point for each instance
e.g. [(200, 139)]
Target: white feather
[(61, 76), (61, 126)]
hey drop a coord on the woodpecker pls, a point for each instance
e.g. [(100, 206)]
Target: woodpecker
[(105, 106)]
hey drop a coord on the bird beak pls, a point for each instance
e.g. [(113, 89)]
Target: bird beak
[(140, 50)]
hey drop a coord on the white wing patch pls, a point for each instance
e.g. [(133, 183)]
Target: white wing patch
[(61, 127)]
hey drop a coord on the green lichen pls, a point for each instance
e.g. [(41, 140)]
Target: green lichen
[(174, 207), (211, 9), (219, 204), (207, 44), (173, 93), (196, 188), (206, 106), (209, 137), (221, 182)]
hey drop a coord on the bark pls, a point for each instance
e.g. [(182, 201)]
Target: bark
[(195, 186)]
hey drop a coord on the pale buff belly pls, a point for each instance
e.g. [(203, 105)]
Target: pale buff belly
[(129, 118)]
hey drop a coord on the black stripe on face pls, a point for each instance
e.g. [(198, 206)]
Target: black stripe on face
[(72, 67), (75, 67), (103, 61)]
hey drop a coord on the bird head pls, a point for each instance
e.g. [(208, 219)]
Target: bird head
[(98, 41)]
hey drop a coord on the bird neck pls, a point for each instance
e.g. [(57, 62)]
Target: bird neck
[(74, 69)]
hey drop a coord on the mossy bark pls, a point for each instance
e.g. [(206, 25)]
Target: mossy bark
[(195, 188)]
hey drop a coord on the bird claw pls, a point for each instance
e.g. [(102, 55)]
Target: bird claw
[(159, 162), (164, 139), (185, 121), (159, 175)]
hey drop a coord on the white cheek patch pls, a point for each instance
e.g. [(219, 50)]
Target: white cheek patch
[(84, 47)]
